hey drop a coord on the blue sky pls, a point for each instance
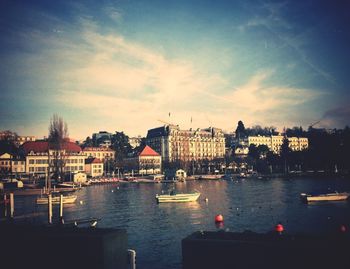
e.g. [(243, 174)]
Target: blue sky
[(124, 65)]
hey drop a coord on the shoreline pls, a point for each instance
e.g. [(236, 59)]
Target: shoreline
[(38, 191)]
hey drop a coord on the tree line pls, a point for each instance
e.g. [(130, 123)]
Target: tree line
[(328, 150)]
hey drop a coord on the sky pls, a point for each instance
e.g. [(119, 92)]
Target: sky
[(134, 65)]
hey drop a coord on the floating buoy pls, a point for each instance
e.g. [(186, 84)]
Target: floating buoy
[(279, 228), (112, 190), (219, 225), (343, 228), (219, 218)]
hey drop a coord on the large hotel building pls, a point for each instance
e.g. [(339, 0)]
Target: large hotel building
[(174, 144), (275, 142)]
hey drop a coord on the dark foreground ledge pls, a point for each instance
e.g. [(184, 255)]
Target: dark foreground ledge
[(26, 246), (251, 250)]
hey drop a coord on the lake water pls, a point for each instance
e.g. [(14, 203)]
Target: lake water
[(155, 230)]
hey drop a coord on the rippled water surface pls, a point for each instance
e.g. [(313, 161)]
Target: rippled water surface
[(155, 230)]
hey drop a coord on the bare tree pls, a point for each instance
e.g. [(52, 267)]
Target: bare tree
[(58, 135)]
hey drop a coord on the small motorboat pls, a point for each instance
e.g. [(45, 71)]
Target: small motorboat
[(69, 199), (177, 197), (335, 196)]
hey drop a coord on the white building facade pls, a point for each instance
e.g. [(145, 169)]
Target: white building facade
[(174, 144), (275, 142)]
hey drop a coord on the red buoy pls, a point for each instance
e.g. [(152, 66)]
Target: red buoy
[(219, 218), (279, 228), (343, 228)]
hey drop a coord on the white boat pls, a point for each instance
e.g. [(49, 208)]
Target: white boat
[(69, 199), (335, 196), (177, 198)]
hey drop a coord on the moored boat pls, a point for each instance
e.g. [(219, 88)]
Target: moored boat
[(177, 198), (69, 199), (335, 196)]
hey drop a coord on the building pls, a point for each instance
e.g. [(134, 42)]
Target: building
[(135, 141), (94, 167), (38, 154), (175, 174), (20, 140), (174, 144), (18, 165), (79, 177), (241, 151), (10, 164), (17, 139), (5, 164), (7, 135), (102, 139), (102, 153), (275, 142), (146, 162)]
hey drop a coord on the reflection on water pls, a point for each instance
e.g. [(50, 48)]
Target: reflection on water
[(155, 230)]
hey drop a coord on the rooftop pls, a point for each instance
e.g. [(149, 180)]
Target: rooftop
[(43, 146), (148, 151)]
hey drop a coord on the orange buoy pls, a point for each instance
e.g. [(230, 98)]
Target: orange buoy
[(219, 218), (279, 228)]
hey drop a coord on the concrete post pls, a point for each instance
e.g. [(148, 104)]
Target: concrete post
[(61, 209), (132, 258), (50, 209), (12, 205), (5, 205)]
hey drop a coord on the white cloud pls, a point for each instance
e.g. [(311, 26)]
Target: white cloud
[(131, 86), (256, 102), (114, 13), (119, 79)]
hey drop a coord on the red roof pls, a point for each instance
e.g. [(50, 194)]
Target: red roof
[(148, 151), (92, 160), (42, 146)]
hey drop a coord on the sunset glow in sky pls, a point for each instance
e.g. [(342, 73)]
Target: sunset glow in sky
[(124, 65)]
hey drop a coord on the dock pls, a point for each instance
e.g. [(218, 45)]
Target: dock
[(42, 247), (250, 250)]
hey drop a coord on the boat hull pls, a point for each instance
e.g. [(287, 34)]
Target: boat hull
[(177, 198), (326, 197), (56, 200)]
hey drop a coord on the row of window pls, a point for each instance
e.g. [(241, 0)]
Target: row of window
[(45, 161), (42, 169), (98, 165), (75, 161), (98, 154), (74, 168), (37, 169), (149, 161), (20, 169), (9, 163)]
